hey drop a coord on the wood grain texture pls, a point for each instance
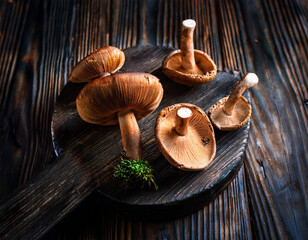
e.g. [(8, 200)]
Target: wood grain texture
[(277, 156), (221, 219), (268, 37), (31, 79), (38, 206), (273, 47)]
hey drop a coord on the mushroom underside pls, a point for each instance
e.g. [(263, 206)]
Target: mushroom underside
[(204, 72), (203, 63), (195, 150), (239, 117)]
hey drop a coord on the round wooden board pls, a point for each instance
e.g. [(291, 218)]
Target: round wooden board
[(179, 192)]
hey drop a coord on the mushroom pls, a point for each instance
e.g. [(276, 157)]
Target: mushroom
[(185, 136), (231, 113), (189, 66), (124, 99), (102, 62)]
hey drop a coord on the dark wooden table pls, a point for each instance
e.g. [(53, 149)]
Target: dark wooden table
[(40, 42)]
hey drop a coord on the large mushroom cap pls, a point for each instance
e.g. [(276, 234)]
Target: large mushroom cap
[(103, 61), (172, 67), (101, 100), (193, 151), (239, 117)]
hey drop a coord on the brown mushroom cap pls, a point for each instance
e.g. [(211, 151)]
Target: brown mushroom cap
[(193, 151), (101, 100), (172, 68), (103, 61), (239, 117)]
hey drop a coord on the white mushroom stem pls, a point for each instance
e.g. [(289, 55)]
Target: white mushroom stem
[(131, 138), (249, 80), (183, 116), (187, 44)]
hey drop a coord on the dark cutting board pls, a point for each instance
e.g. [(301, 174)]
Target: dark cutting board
[(179, 192)]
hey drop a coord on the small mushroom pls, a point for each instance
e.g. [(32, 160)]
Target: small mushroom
[(102, 62), (185, 136), (189, 66), (231, 113), (124, 99)]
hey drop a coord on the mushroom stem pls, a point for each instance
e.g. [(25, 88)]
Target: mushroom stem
[(131, 138), (248, 80), (183, 116), (187, 44)]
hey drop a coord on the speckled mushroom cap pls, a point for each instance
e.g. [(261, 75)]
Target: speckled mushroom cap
[(101, 100), (105, 60), (224, 122), (172, 68), (194, 151)]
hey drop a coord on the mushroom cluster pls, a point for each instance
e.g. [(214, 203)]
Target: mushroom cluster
[(183, 132), (118, 98), (185, 135)]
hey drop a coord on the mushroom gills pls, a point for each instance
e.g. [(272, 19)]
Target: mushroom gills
[(189, 66), (185, 137), (232, 112)]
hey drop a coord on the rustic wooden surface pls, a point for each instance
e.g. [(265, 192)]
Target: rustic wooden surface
[(40, 41)]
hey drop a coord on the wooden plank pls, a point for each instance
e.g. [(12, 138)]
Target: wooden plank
[(93, 221), (32, 72), (277, 154), (40, 204), (12, 101)]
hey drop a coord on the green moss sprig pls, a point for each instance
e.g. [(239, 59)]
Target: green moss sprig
[(135, 173)]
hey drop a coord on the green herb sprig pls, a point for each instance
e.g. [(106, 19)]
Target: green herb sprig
[(136, 173)]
